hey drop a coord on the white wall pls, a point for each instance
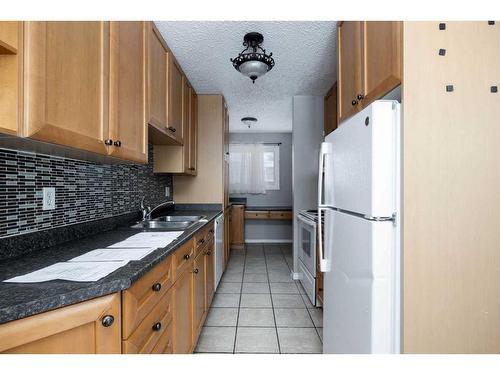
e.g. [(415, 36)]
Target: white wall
[(307, 135)]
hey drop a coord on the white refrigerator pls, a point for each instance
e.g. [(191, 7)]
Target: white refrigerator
[(358, 194)]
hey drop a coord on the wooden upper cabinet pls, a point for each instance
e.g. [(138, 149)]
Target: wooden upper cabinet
[(350, 67), (193, 134), (175, 85), (382, 58), (369, 63), (127, 91), (10, 68), (77, 329), (157, 80), (66, 83), (330, 110), (186, 121)]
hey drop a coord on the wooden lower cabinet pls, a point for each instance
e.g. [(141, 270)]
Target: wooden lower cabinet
[(183, 312), (75, 329), (162, 312), (209, 273), (237, 226), (199, 282), (152, 329)]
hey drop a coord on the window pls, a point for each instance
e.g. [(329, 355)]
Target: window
[(272, 167), (253, 168)]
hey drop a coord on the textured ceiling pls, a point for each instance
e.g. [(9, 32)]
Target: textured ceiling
[(304, 53)]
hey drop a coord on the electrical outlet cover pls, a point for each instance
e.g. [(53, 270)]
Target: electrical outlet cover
[(49, 198), (167, 191)]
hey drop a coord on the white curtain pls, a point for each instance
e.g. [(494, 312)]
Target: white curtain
[(246, 169)]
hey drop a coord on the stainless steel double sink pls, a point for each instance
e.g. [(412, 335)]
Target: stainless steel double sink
[(171, 222)]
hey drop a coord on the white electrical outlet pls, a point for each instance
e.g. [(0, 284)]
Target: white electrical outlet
[(49, 198), (167, 191)]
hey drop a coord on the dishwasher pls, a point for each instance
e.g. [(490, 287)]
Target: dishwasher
[(219, 248)]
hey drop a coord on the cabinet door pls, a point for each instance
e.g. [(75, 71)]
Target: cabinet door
[(237, 226), (198, 294), (157, 81), (183, 316), (193, 133), (66, 69), (226, 156), (382, 54), (330, 110), (186, 123), (210, 275), (350, 68), (127, 83), (10, 66), (75, 329), (175, 85)]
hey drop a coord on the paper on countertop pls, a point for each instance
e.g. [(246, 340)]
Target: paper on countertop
[(148, 239), (72, 271), (114, 254)]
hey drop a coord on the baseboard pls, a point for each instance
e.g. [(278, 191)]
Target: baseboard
[(269, 241)]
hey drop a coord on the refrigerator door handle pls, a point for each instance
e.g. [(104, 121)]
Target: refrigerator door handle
[(326, 148)]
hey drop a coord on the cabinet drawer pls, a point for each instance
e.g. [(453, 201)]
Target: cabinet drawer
[(148, 333), (142, 296), (256, 214), (202, 237), (280, 215), (165, 342), (182, 257)]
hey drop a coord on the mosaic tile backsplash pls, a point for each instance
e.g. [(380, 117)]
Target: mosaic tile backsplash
[(85, 191)]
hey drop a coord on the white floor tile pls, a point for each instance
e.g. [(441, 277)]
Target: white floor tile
[(299, 340), (256, 340)]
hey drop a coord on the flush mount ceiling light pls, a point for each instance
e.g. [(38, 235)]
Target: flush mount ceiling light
[(250, 62), (249, 121)]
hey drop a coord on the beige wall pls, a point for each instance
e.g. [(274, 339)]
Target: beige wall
[(451, 188), (208, 185)]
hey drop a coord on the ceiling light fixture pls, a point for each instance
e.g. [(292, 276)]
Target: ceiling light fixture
[(250, 62), (249, 121)]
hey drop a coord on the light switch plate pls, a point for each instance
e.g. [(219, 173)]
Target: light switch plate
[(49, 198), (167, 191)]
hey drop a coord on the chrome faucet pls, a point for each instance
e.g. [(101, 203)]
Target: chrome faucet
[(147, 211), (144, 209)]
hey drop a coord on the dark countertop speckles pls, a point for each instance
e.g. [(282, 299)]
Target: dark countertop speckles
[(21, 300)]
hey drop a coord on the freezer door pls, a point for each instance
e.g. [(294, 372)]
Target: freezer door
[(361, 171), (361, 304)]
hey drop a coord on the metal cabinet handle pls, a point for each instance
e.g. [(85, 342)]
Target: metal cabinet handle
[(360, 97), (156, 287), (108, 320), (172, 129), (354, 102), (118, 143), (108, 142), (196, 270), (156, 326), (187, 256)]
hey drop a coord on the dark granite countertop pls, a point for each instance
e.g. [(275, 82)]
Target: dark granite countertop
[(268, 208), (21, 300)]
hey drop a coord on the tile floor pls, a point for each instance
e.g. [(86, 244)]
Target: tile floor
[(258, 308)]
